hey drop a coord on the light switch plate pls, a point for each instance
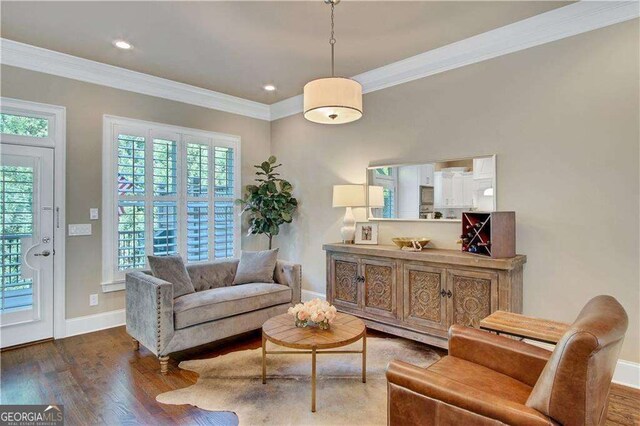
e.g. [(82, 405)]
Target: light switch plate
[(79, 229), (93, 300), (93, 213)]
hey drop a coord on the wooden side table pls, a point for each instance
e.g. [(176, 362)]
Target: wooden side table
[(518, 325), (281, 330)]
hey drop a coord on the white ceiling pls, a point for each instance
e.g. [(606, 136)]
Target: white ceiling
[(237, 47)]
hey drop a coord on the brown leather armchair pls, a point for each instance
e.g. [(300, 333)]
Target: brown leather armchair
[(488, 379)]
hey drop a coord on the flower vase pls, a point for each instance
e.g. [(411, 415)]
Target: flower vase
[(324, 325), (301, 323)]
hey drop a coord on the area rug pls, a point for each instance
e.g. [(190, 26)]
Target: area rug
[(233, 382)]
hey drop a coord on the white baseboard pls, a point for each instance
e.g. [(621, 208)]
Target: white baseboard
[(91, 323), (627, 373), (308, 295)]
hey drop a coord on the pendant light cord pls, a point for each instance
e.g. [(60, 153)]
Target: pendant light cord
[(332, 41)]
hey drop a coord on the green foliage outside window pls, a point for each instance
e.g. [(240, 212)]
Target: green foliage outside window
[(24, 126)]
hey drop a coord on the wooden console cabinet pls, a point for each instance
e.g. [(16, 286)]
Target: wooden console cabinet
[(418, 295)]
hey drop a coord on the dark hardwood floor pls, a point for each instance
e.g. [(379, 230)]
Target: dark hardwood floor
[(100, 379)]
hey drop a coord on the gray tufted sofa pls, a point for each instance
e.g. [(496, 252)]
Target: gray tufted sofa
[(215, 311)]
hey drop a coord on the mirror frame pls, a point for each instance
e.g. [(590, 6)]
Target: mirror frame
[(376, 166)]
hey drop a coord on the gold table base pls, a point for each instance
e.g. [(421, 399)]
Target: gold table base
[(313, 353)]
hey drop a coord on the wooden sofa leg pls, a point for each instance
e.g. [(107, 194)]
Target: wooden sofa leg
[(136, 344), (164, 364)]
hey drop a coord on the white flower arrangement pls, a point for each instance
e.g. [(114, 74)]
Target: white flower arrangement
[(314, 311)]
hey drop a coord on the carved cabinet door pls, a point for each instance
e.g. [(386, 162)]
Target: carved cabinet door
[(425, 296), (379, 286), (474, 295), (344, 280)]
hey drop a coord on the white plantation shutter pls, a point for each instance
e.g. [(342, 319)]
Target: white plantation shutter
[(168, 190)]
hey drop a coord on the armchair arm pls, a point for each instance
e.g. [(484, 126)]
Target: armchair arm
[(433, 386), (290, 274), (149, 310), (516, 359)]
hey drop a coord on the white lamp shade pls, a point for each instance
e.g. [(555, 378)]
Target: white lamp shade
[(348, 196), (376, 196), (332, 100), (488, 192)]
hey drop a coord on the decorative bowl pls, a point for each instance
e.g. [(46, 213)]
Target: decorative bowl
[(409, 242)]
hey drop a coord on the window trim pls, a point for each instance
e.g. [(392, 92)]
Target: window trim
[(112, 279)]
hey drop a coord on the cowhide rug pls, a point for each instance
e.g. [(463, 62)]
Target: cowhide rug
[(233, 382)]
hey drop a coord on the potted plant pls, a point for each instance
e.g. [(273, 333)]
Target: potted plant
[(269, 203)]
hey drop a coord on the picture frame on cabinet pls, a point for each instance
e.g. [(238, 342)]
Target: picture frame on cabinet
[(366, 233)]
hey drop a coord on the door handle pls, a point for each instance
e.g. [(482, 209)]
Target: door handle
[(44, 253), (449, 294), (443, 293)]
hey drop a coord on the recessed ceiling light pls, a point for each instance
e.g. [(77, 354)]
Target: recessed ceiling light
[(269, 87), (121, 44)]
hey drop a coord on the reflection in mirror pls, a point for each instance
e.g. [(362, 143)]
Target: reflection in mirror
[(433, 191)]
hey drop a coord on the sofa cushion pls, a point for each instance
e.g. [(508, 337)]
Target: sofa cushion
[(256, 267), (172, 269), (222, 302)]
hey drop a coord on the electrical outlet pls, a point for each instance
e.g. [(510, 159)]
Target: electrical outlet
[(93, 300), (93, 214)]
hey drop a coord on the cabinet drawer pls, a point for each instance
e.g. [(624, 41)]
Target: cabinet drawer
[(474, 295), (379, 287), (425, 302)]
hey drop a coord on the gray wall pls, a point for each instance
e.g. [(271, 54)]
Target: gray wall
[(563, 120), (86, 104)]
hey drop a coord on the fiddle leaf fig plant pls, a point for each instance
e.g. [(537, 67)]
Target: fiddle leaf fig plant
[(269, 202)]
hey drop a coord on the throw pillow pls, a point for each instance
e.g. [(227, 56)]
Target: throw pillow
[(172, 269), (256, 267)]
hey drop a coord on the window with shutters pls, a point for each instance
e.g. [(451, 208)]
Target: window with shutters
[(167, 190)]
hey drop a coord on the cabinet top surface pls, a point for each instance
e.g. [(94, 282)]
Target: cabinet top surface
[(433, 255)]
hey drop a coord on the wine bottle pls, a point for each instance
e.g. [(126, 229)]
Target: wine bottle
[(473, 248), (488, 243), (479, 224)]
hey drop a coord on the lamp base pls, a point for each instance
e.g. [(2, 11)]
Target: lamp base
[(348, 230)]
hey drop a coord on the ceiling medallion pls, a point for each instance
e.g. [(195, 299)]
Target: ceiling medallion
[(332, 100)]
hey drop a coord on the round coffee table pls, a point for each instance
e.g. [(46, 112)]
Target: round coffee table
[(282, 331)]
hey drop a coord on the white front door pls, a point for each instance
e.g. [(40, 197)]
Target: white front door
[(26, 244)]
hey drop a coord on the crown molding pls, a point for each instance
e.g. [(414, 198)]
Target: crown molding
[(51, 62), (567, 21)]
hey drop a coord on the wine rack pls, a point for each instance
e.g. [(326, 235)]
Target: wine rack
[(491, 234)]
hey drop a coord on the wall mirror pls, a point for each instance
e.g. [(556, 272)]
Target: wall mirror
[(436, 190)]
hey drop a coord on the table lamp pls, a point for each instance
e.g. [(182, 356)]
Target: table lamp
[(348, 196), (376, 198)]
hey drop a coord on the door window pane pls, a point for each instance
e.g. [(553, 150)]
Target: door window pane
[(131, 242), (165, 228), (20, 125), (197, 170), (130, 165), (197, 231), (16, 232), (165, 169)]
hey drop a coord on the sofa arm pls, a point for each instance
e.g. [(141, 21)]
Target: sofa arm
[(408, 381), (290, 274), (149, 310), (522, 361)]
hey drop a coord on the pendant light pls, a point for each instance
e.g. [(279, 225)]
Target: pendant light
[(332, 100)]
